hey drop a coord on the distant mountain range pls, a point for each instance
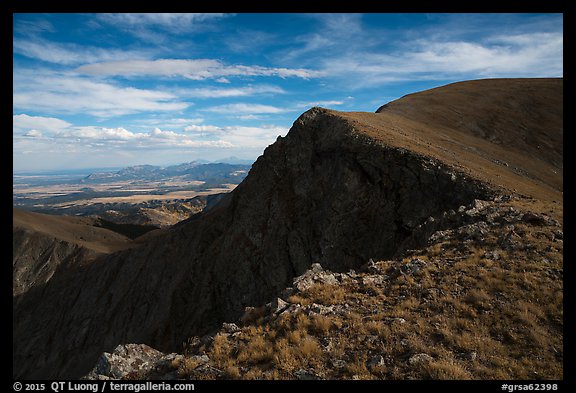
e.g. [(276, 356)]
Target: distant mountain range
[(187, 171)]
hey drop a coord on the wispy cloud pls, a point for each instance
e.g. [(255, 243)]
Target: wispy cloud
[(243, 109), (325, 103), (56, 93), (195, 69), (26, 122), (449, 48), (161, 28), (214, 92), (72, 54), (32, 27), (172, 21)]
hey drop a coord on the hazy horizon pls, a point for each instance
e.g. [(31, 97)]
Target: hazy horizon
[(116, 90)]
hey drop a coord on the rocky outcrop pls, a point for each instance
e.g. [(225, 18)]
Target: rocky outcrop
[(327, 193), (386, 319), (135, 361)]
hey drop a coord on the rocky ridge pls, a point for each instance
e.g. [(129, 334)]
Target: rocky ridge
[(394, 341), (338, 190)]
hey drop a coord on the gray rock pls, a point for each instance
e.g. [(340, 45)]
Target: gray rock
[(230, 328), (319, 309), (128, 359), (420, 358), (374, 280), (277, 306), (315, 275), (306, 375), (375, 361)]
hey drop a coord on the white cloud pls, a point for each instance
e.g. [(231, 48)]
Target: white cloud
[(100, 133), (194, 69), (158, 133), (169, 122), (175, 139), (326, 103), (357, 55), (253, 137), (24, 121), (241, 136), (202, 129), (71, 54), (33, 134), (243, 109), (67, 94), (168, 20), (230, 92), (525, 55)]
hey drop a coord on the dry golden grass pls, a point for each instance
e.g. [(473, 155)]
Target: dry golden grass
[(478, 317)]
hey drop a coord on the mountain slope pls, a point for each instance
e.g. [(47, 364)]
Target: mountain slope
[(339, 189), (41, 243)]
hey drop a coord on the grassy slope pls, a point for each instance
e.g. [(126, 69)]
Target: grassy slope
[(479, 309)]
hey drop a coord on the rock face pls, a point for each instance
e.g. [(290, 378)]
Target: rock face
[(37, 256), (327, 193)]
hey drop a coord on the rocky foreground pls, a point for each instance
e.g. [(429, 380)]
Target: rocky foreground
[(482, 301)]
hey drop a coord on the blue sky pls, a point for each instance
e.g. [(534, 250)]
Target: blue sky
[(109, 90)]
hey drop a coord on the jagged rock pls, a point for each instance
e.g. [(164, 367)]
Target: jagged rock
[(126, 360), (318, 309), (477, 206), (374, 280), (441, 236), (291, 309), (316, 275), (420, 358), (200, 359), (475, 231), (413, 266), (277, 306), (539, 219), (230, 328)]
